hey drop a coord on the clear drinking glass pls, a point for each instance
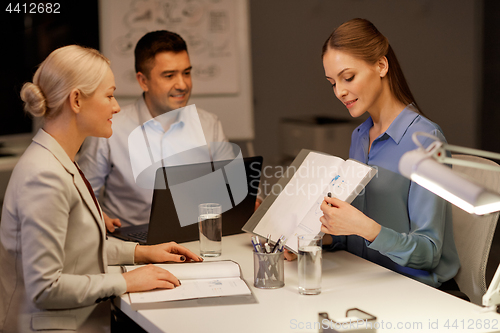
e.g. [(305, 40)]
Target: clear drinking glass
[(210, 225), (309, 263)]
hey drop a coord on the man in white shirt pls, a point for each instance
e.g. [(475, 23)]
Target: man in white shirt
[(163, 70)]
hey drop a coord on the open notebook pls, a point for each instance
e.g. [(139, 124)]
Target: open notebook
[(295, 210), (198, 280)]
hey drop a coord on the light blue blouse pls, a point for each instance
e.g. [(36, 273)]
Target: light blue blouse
[(417, 233)]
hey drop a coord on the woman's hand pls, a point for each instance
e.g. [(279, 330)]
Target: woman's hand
[(164, 252), (290, 256), (148, 278), (258, 201), (111, 223), (344, 219)]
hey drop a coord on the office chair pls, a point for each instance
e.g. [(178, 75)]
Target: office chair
[(474, 234)]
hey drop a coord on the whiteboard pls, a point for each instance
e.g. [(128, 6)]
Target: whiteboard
[(217, 35)]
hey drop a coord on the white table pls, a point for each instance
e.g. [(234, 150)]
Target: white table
[(348, 282)]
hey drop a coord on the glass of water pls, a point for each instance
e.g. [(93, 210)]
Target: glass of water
[(309, 262), (210, 224)]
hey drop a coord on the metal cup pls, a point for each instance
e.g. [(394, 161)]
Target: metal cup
[(269, 270)]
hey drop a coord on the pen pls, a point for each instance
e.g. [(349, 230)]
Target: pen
[(267, 247), (277, 245), (282, 245), (256, 244), (329, 195)]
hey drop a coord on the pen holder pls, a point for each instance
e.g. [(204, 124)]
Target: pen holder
[(268, 270)]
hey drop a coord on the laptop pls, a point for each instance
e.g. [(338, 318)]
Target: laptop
[(164, 222)]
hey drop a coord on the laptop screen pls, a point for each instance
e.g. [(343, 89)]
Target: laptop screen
[(165, 221)]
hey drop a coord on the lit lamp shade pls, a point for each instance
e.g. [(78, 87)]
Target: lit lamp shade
[(420, 167)]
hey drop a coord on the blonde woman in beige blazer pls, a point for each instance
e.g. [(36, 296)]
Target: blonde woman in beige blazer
[(54, 251)]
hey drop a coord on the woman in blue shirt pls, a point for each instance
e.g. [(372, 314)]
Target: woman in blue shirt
[(394, 222)]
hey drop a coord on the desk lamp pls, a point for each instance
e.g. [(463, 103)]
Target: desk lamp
[(425, 167)]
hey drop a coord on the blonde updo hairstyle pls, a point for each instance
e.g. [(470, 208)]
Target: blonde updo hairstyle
[(67, 68)]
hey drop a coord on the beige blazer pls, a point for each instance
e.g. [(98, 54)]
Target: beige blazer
[(53, 247)]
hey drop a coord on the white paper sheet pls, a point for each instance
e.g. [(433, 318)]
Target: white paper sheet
[(297, 208), (198, 280)]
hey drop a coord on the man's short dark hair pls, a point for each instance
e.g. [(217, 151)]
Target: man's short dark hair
[(155, 42)]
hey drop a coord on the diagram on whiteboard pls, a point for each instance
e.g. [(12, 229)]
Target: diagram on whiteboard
[(207, 26)]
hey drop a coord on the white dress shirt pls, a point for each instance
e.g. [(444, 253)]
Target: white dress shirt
[(111, 164)]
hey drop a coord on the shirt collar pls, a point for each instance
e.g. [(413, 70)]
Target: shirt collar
[(145, 115), (365, 126), (47, 141), (184, 115), (398, 127)]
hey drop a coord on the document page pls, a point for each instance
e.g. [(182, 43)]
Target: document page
[(191, 289), (299, 195), (199, 270), (346, 183), (199, 280)]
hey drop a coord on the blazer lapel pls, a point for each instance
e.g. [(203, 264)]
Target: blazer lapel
[(89, 201), (44, 139)]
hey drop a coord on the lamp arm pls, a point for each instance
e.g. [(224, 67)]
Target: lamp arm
[(438, 150), (456, 161), (471, 151), (492, 296)]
